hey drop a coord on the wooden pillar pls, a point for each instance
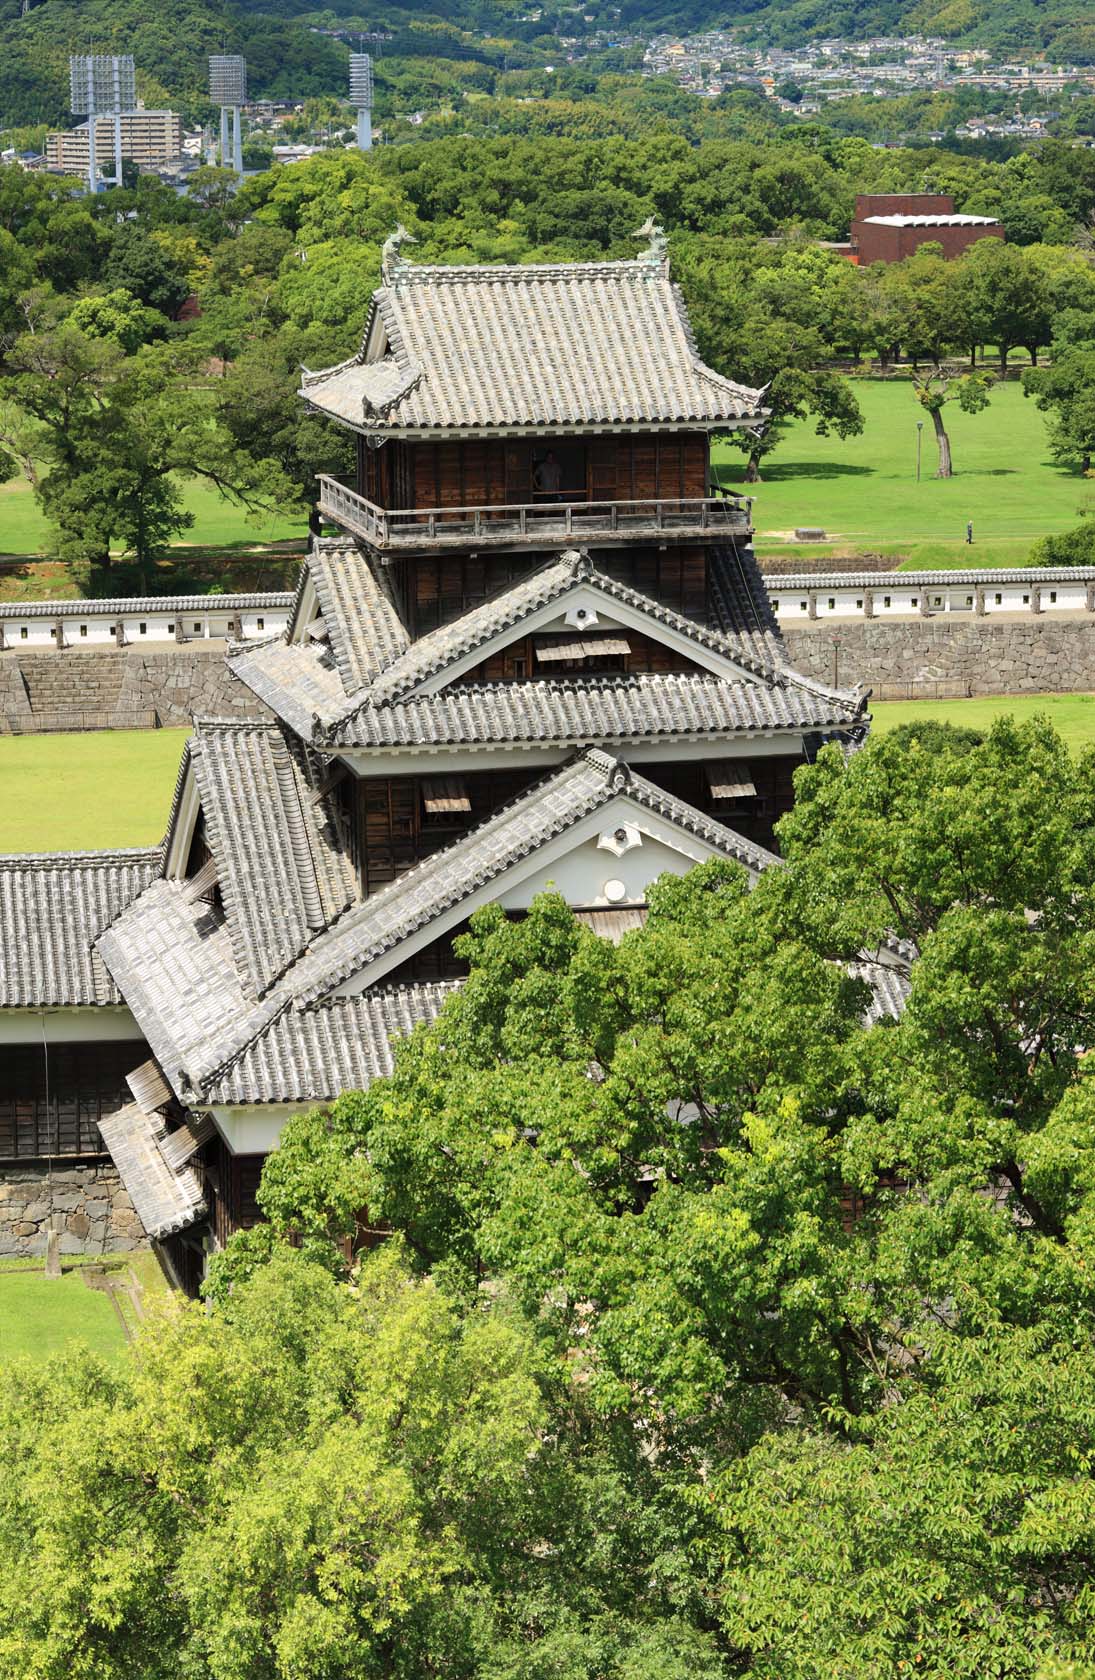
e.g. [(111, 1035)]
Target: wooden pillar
[(1036, 599), (979, 601), (811, 606), (868, 603)]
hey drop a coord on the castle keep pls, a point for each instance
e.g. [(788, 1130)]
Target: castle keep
[(536, 653)]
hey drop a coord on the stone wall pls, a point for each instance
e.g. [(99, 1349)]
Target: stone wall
[(938, 658), (107, 689), (85, 1201), (181, 683)]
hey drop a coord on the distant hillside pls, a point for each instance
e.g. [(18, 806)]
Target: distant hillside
[(292, 54)]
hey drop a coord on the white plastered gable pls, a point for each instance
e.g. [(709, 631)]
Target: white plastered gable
[(607, 860)]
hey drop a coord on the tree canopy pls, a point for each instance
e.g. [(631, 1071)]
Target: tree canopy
[(723, 1323)]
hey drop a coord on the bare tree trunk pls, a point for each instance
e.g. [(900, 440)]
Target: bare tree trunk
[(752, 470), (1004, 348), (943, 443), (1033, 349)]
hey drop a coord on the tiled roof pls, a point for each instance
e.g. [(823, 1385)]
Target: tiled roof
[(613, 710), (303, 685), (365, 629), (546, 585), (173, 959), (116, 606), (927, 580), (166, 1198), (52, 907), (313, 1054), (282, 869), (565, 344), (417, 898)]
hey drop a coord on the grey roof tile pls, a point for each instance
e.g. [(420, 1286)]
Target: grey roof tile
[(343, 1045), (115, 606), (572, 344), (166, 1198), (52, 907), (366, 632), (282, 869)]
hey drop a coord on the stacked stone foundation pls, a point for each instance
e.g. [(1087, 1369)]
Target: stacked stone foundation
[(85, 1202), (936, 659)]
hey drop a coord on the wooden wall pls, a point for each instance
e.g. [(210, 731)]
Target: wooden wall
[(53, 1096), (436, 589), (391, 830), (496, 472), (231, 1185), (518, 661)]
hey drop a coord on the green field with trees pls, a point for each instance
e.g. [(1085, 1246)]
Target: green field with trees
[(136, 432), (720, 1328)]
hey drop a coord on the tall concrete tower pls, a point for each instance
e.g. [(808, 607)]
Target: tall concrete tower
[(102, 85), (361, 97), (228, 89)]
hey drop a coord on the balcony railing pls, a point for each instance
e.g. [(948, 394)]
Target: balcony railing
[(533, 524)]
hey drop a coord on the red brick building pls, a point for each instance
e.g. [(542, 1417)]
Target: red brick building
[(890, 226)]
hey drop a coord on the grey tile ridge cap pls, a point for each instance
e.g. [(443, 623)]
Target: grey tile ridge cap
[(977, 576), (606, 768), (13, 863), (747, 393), (261, 1019), (322, 581), (853, 700), (405, 273), (123, 605), (249, 643), (185, 758)]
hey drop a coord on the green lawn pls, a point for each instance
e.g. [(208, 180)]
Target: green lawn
[(217, 523), (82, 792), (1073, 715), (863, 492), (40, 1316)]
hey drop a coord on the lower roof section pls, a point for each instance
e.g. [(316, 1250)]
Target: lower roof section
[(53, 906), (167, 1198)]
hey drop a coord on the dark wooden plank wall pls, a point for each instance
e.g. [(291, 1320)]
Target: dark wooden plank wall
[(436, 589), (754, 818), (495, 472), (518, 661), (677, 577), (231, 1187), (53, 1096), (392, 831)]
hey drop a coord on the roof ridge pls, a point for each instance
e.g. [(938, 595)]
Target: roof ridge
[(87, 860)]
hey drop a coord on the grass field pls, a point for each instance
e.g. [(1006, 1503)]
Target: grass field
[(1072, 715), (217, 523), (41, 1316), (82, 792), (863, 492)]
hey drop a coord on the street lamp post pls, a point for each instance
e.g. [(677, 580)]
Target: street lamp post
[(919, 436)]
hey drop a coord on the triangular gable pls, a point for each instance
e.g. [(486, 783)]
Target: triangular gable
[(582, 806), (567, 594)]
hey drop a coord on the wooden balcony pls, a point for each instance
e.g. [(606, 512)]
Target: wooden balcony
[(541, 524)]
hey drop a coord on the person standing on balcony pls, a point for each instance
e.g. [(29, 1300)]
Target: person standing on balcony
[(547, 479)]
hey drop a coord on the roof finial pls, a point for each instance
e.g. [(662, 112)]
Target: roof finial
[(658, 248), (391, 252)]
